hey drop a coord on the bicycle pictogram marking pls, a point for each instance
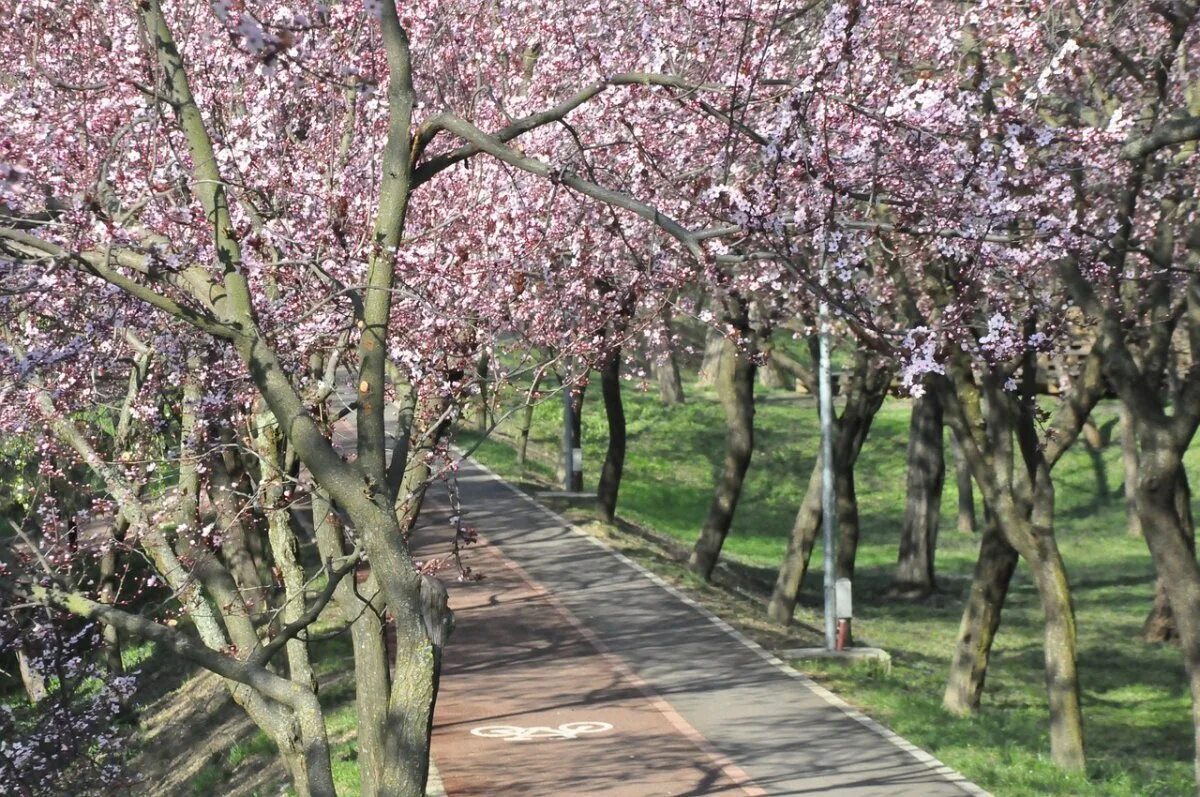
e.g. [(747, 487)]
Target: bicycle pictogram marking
[(535, 733)]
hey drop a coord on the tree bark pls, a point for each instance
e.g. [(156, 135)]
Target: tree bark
[(481, 406), (1176, 566), (670, 385), (794, 567), (527, 423), (773, 376), (867, 387), (735, 385), (614, 458), (1160, 626), (108, 583), (966, 490), (914, 578), (360, 605), (710, 364), (1129, 463), (981, 619), (33, 681)]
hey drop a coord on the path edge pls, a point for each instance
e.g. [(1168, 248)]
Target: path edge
[(922, 756)]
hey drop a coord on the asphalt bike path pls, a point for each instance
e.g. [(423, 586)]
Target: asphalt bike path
[(574, 671)]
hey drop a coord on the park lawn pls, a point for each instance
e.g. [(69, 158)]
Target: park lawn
[(1136, 706)]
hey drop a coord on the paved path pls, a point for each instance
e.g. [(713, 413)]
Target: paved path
[(565, 637)]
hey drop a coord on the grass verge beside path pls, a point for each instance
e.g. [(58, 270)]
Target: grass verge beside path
[(1136, 707)]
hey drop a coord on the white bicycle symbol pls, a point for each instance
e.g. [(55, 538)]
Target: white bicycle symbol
[(513, 733)]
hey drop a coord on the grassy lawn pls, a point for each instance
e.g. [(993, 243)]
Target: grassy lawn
[(1136, 706)]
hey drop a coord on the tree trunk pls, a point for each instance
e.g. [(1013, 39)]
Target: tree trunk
[(33, 681), (914, 577), (771, 375), (1062, 676), (866, 388), (1129, 462), (670, 385), (847, 515), (614, 459), (710, 364), (108, 583), (1176, 566), (481, 407), (527, 424), (1159, 626), (577, 434), (735, 385), (966, 490), (981, 619), (791, 574)]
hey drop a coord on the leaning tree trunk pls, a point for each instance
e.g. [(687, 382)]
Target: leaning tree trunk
[(981, 619), (867, 389), (790, 577), (735, 385), (914, 578), (1160, 625), (614, 459)]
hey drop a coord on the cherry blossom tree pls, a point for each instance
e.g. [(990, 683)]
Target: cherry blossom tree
[(227, 207)]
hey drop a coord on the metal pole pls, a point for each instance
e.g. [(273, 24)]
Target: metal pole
[(568, 433), (828, 502)]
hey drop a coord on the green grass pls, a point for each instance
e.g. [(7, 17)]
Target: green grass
[(1136, 705)]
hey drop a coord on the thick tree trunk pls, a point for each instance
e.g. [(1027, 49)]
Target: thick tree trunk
[(966, 490), (735, 384), (1176, 565), (1160, 625), (614, 459), (914, 578), (981, 619)]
